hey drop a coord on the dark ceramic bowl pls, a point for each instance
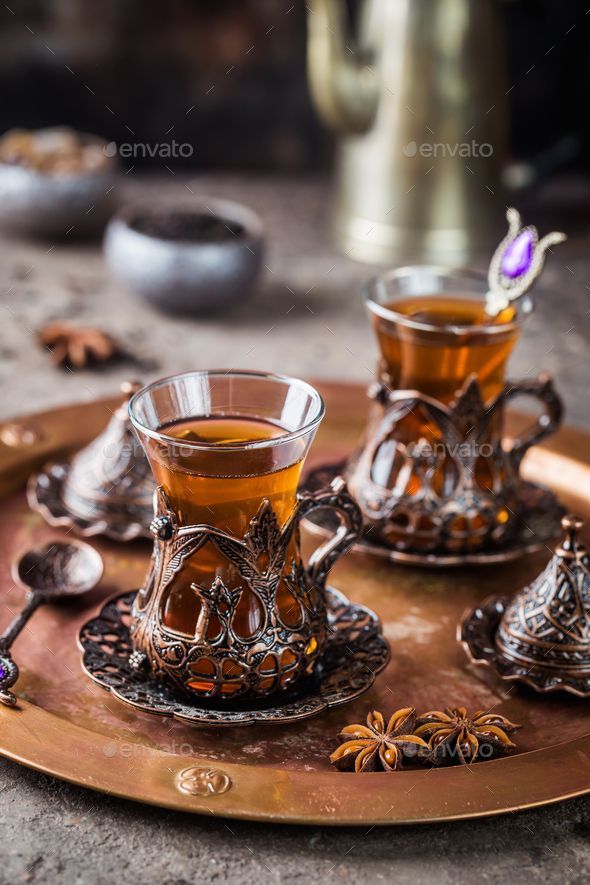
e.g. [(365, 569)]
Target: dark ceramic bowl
[(43, 204), (186, 271)]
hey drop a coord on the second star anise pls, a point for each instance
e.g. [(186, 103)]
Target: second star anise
[(77, 347), (454, 736), (378, 745)]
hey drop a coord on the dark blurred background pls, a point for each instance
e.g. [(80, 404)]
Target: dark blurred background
[(228, 77)]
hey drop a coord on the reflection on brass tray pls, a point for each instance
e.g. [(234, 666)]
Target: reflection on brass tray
[(538, 525), (542, 636), (355, 653), (106, 489)]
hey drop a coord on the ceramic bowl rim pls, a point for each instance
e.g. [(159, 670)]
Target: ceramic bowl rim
[(229, 210)]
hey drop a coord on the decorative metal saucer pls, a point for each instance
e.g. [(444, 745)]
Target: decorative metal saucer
[(105, 489), (539, 525), (541, 637), (355, 653)]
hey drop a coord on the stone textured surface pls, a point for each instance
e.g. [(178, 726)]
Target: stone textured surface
[(307, 319), (52, 832)]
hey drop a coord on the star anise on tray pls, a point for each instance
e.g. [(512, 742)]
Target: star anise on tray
[(78, 347), (454, 736), (379, 746)]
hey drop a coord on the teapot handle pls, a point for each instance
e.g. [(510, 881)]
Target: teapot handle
[(542, 389), (338, 499)]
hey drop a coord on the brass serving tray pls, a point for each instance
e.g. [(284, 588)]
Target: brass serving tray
[(68, 727)]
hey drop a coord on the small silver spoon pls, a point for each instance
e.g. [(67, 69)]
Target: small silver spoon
[(59, 570)]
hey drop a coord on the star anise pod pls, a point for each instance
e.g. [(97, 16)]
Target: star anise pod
[(77, 347), (454, 736), (376, 746)]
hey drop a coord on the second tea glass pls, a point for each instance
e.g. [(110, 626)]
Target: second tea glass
[(435, 472)]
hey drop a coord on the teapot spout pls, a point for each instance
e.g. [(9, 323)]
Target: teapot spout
[(343, 83)]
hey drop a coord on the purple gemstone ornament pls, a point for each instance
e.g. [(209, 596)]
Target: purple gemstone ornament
[(517, 262), (8, 671), (8, 676), (518, 255)]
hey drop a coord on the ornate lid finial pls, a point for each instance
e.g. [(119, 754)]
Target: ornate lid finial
[(128, 389), (517, 262), (571, 547)]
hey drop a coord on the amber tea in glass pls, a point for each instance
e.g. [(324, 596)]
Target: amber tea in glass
[(221, 481), (433, 332)]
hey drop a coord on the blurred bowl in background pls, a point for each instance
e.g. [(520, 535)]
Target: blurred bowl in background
[(186, 256), (55, 183)]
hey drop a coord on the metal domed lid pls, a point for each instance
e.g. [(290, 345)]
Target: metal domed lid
[(112, 473), (541, 637), (547, 625), (107, 488)]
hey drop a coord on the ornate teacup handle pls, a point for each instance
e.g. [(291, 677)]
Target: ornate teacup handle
[(547, 423), (351, 523)]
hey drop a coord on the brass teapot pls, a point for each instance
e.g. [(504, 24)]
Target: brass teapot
[(420, 98)]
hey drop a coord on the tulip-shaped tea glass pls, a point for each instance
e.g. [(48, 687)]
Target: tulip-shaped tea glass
[(228, 608), (435, 472)]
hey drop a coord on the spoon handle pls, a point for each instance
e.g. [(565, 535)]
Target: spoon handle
[(34, 600)]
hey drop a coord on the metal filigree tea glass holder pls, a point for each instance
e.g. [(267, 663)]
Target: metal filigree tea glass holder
[(456, 495), (457, 488), (542, 637), (105, 489), (354, 654), (220, 661), (329, 653)]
